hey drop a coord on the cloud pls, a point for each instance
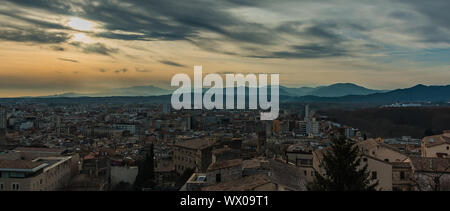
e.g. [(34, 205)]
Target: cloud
[(97, 48), (258, 29), (124, 70), (102, 70), (311, 51), (171, 63), (57, 48), (68, 60), (22, 34), (142, 70)]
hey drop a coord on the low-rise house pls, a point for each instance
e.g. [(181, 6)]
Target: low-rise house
[(436, 146), (402, 175), (431, 174)]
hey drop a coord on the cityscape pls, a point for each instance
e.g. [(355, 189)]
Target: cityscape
[(106, 147), (357, 96)]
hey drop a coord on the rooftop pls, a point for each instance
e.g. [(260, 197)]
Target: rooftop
[(244, 184), (21, 165), (196, 143), (225, 164)]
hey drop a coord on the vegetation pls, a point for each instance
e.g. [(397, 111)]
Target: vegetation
[(145, 176), (343, 169), (395, 122), (183, 178)]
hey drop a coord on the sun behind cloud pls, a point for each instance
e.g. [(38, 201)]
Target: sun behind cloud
[(80, 24)]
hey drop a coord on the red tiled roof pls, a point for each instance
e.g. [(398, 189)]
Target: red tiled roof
[(18, 164)]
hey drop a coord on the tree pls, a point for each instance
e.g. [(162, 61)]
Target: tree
[(145, 176), (181, 180), (343, 169)]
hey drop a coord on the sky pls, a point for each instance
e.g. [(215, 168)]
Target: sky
[(86, 46)]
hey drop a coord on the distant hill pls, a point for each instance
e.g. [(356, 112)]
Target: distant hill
[(135, 91), (342, 89), (419, 93), (120, 92), (334, 90)]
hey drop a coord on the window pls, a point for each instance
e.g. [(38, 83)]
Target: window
[(1, 186), (447, 147), (218, 178), (15, 186), (374, 175), (306, 173), (402, 175)]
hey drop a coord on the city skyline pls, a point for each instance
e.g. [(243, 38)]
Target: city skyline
[(88, 46)]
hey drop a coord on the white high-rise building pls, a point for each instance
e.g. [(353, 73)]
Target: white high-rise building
[(312, 127), (306, 111)]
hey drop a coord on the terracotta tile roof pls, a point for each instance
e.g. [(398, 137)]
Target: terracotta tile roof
[(38, 150), (195, 143), (18, 164), (436, 140), (431, 164), (244, 184), (225, 164)]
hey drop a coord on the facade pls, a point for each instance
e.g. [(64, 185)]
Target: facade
[(224, 171), (193, 154), (402, 175), (436, 146), (431, 174), (376, 148), (40, 174), (301, 157)]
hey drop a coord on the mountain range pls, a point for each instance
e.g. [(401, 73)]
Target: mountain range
[(336, 93), (334, 90)]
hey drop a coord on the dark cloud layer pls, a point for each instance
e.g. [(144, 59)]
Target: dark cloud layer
[(97, 48), (171, 63), (19, 34), (189, 19)]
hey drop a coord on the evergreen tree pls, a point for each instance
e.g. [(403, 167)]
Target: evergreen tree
[(343, 169), (183, 178), (145, 176)]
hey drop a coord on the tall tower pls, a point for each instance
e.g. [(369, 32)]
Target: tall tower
[(306, 111)]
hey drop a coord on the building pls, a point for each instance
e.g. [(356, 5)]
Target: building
[(302, 157), (436, 146), (378, 149), (193, 154), (306, 111), (40, 174), (431, 173), (277, 176), (312, 127), (224, 171), (402, 175)]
